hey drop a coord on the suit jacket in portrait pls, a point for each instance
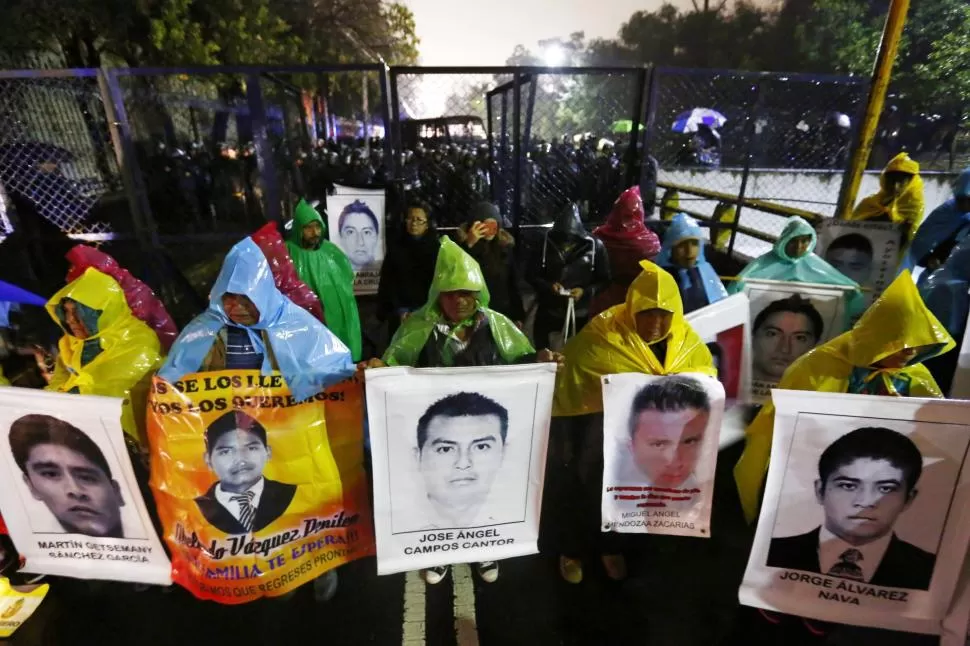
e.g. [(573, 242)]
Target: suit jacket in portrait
[(274, 500), (903, 565)]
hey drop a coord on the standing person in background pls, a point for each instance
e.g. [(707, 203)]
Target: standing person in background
[(492, 247), (324, 267), (570, 264), (946, 293), (945, 227), (408, 269), (683, 257), (628, 241), (899, 200)]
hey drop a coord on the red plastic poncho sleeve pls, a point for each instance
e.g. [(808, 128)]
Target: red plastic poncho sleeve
[(270, 242)]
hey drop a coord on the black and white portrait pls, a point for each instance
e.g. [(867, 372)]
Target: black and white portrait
[(865, 251)]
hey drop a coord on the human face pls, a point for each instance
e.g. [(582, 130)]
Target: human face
[(653, 324), (854, 263), (898, 360), (667, 444), (359, 238), (72, 319), (78, 492), (458, 305), (240, 309), (685, 253), (460, 458), (897, 182), (237, 459), (312, 235), (798, 246), (416, 222), (863, 499), (781, 338)]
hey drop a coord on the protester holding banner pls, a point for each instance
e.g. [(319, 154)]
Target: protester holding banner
[(485, 240), (324, 267), (646, 334), (683, 256), (946, 226), (899, 200)]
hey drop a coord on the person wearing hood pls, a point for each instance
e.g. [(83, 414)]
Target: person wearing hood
[(628, 241), (570, 265), (492, 247), (683, 256), (105, 350), (899, 200), (945, 227), (457, 328), (946, 293), (882, 354), (408, 267), (328, 272), (793, 259), (647, 334)]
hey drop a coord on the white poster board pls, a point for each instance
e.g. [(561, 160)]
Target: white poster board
[(355, 219), (68, 492), (660, 442), (866, 252), (723, 326), (865, 518), (459, 458), (787, 320), (960, 388)]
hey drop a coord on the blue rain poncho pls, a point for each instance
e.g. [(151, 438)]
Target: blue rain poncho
[(945, 292), (684, 227), (309, 356), (945, 222)]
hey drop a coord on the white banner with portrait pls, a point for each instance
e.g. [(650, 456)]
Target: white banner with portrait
[(660, 442), (787, 320), (459, 459), (723, 326), (866, 252), (68, 492), (355, 219), (866, 512)]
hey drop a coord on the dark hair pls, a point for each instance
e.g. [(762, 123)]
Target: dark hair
[(462, 405), (357, 206), (796, 304), (674, 393), (234, 420), (878, 444), (32, 430), (854, 241), (415, 203)]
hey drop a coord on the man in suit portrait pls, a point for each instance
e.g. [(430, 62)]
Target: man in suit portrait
[(866, 480), (242, 500)]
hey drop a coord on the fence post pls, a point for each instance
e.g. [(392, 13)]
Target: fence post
[(748, 156), (134, 183), (264, 151), (517, 160), (386, 116), (504, 158), (633, 156), (395, 112)]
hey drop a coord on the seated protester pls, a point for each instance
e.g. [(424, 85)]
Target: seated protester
[(881, 355), (683, 256), (793, 259), (899, 200), (945, 227), (457, 328), (947, 294), (408, 267), (569, 260), (250, 325), (646, 334), (327, 271), (492, 247), (105, 350)]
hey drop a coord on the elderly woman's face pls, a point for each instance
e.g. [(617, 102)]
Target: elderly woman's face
[(359, 238)]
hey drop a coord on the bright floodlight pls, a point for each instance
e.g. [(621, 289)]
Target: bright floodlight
[(554, 55)]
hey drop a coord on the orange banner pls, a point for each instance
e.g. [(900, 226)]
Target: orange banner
[(258, 493)]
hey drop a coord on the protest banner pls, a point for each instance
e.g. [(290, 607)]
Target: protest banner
[(787, 320), (17, 604), (459, 459), (256, 492), (865, 518), (866, 252), (660, 441), (68, 493), (357, 225), (723, 326)]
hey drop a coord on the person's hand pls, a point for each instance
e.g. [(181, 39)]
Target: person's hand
[(476, 232), (404, 316), (576, 293), (368, 364), (557, 288), (45, 361), (548, 356), (519, 324)]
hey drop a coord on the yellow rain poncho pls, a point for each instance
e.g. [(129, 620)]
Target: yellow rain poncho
[(896, 321), (906, 209), (609, 345), (118, 356)]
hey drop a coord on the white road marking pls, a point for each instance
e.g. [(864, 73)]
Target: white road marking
[(412, 631), (466, 627)]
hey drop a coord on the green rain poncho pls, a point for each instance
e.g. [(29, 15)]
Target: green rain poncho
[(328, 273), (454, 271)]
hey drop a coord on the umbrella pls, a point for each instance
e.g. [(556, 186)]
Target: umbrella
[(623, 127), (13, 294), (690, 120)]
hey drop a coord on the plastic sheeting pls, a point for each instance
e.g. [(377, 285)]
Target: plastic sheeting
[(684, 227), (945, 292), (610, 344), (309, 356), (270, 242), (906, 209), (946, 221), (10, 293), (624, 228), (896, 321)]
